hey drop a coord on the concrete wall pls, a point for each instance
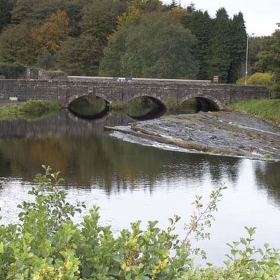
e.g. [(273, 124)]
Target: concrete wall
[(66, 91)]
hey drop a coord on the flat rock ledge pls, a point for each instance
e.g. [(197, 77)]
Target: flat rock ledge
[(221, 133)]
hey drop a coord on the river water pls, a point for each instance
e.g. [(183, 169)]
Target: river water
[(131, 179)]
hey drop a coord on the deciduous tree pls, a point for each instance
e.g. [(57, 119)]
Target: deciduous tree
[(53, 33), (80, 56), (17, 44), (154, 48)]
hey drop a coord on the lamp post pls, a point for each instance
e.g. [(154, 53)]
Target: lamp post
[(246, 64)]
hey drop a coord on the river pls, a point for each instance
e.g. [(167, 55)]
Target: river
[(132, 179)]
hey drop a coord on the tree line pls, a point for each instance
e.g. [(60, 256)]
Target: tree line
[(135, 38)]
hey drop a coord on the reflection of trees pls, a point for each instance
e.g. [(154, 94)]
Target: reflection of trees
[(93, 159), (268, 178)]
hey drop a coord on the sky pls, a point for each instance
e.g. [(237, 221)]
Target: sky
[(260, 16)]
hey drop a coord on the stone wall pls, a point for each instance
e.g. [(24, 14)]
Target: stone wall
[(65, 91)]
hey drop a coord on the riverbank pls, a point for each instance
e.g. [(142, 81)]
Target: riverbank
[(29, 110), (223, 133)]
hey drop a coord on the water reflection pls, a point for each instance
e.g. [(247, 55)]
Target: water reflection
[(86, 156), (130, 181), (268, 179)]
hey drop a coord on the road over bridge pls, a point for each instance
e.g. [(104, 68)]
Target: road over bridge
[(160, 91)]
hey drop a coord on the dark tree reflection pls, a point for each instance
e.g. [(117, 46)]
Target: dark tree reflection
[(268, 178)]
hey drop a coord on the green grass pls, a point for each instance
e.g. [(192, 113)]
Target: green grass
[(29, 110), (265, 109)]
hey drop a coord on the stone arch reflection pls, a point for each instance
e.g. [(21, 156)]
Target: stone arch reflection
[(145, 107), (89, 107)]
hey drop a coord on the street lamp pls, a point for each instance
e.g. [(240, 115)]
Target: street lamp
[(247, 52)]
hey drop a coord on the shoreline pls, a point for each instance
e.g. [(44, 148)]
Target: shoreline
[(217, 133)]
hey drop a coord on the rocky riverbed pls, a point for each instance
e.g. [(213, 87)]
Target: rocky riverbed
[(226, 133)]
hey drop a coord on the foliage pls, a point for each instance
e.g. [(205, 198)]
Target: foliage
[(17, 44), (258, 79), (201, 25), (100, 19), (11, 71), (46, 60), (46, 244), (29, 110), (28, 28), (266, 109), (219, 59), (80, 56), (51, 35), (136, 9), (155, 48), (238, 38), (5, 13)]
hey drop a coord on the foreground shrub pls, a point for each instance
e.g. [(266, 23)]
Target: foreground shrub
[(46, 244)]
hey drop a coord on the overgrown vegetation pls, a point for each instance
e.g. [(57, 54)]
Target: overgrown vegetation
[(265, 79), (29, 110), (11, 70), (266, 109), (47, 244)]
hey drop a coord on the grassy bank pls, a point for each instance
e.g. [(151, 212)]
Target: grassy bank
[(265, 109), (29, 110)]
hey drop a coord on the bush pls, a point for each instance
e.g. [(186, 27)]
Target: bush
[(46, 244), (264, 79), (11, 71)]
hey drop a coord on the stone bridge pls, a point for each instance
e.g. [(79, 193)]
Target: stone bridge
[(160, 91)]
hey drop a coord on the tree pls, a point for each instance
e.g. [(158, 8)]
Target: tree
[(100, 19), (5, 13), (17, 44), (111, 62), (46, 60), (201, 25), (179, 15), (265, 62), (238, 38), (155, 48), (136, 9), (51, 35), (220, 50), (80, 56)]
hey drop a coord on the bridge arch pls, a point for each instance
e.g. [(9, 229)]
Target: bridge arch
[(205, 101), (159, 108), (77, 96)]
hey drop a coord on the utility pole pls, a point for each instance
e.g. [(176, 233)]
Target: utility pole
[(247, 55)]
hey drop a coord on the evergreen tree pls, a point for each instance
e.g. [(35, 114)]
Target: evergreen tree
[(238, 39), (201, 25), (219, 59), (5, 13)]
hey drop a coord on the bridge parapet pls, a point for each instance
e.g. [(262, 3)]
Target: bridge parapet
[(65, 91)]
